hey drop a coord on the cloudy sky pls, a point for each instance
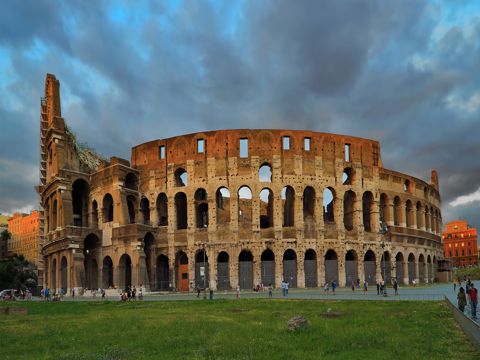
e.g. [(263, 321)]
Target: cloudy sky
[(403, 72)]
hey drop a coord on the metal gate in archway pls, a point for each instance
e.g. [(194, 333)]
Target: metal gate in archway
[(290, 268), (245, 270), (310, 266), (399, 272)]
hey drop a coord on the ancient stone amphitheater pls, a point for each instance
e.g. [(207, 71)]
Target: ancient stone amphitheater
[(230, 208)]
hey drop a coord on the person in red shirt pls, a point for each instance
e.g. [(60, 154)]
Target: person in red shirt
[(473, 295)]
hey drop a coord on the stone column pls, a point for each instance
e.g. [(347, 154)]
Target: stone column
[(416, 271), (234, 211), (378, 266), (154, 221), (406, 271), (320, 268), (212, 268), (278, 269), (300, 269), (375, 216), (338, 211), (233, 263), (298, 211), (389, 210), (257, 273), (342, 277), (358, 214)]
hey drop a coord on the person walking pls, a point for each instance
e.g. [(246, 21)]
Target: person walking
[(334, 286), (473, 295), (238, 292), (286, 288), (353, 286), (454, 285), (365, 287), (270, 291), (284, 285), (462, 299), (378, 287), (395, 286)]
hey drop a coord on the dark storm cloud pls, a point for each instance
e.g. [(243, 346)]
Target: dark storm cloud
[(393, 71)]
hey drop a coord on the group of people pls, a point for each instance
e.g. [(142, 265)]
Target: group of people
[(130, 293), (467, 296), (332, 284)]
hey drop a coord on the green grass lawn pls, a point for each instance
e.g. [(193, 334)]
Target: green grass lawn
[(241, 329)]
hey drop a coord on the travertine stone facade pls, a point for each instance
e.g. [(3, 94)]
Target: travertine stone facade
[(244, 207)]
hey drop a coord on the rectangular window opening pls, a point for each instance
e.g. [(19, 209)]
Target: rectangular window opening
[(306, 144), (200, 146), (161, 151), (286, 143), (347, 152), (244, 148)]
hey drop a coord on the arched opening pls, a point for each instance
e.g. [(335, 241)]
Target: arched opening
[(55, 215), (265, 173), (201, 270), (408, 214), (384, 214), (347, 176), (223, 271), (429, 269), (181, 210), (367, 210), (163, 273), (107, 208), (91, 244), (406, 186), (432, 219), (222, 197), (245, 270), (399, 271), (351, 267), (308, 204), (310, 268), (80, 194), (181, 267), (107, 272), (125, 271), (54, 274), (63, 274), (370, 267), (288, 201), (181, 177), (149, 249), (412, 274), (245, 207), (145, 211), (434, 268), (267, 261), (420, 223), (331, 267), (132, 205), (427, 219), (397, 211), (201, 208), (348, 209), (162, 210), (290, 268), (94, 214), (386, 267), (266, 208), (131, 181), (421, 269), (328, 205)]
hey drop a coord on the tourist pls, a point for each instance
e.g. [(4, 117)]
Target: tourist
[(365, 287), (198, 291), (270, 291), (353, 286), (395, 286), (334, 286), (284, 293), (73, 293), (382, 286), (286, 288), (238, 292), (473, 300), (42, 293), (103, 293), (462, 299), (134, 293), (140, 294), (454, 285), (378, 287), (47, 294), (326, 286), (414, 282)]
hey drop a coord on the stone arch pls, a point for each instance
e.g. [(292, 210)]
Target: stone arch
[(386, 267), (429, 268), (181, 211), (290, 267), (265, 172), (245, 270), (55, 215), (331, 266), (348, 176), (222, 197), (370, 267), (310, 268), (201, 208), (181, 271), (408, 213), (245, 206), (131, 205), (421, 269), (367, 210), (64, 274), (131, 181), (149, 249), (95, 214), (309, 204), (201, 270), (288, 202), (427, 218), (267, 265), (329, 198), (107, 272), (412, 273), (80, 196), (351, 267), (91, 246), (399, 270), (223, 271), (145, 211), (181, 177), (107, 208), (420, 222), (162, 209), (397, 211), (54, 274), (349, 209), (125, 271), (384, 213), (266, 208), (163, 273)]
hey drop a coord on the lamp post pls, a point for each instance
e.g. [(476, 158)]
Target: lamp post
[(383, 231)]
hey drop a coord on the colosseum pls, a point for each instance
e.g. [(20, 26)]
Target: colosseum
[(229, 208)]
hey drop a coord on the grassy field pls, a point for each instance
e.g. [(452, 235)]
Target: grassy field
[(241, 329)]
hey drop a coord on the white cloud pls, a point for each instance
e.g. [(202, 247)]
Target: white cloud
[(466, 199), (471, 104)]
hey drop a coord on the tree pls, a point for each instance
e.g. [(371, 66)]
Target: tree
[(16, 273), (5, 235)]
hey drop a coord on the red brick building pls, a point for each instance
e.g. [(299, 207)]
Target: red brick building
[(460, 243), (25, 240)]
